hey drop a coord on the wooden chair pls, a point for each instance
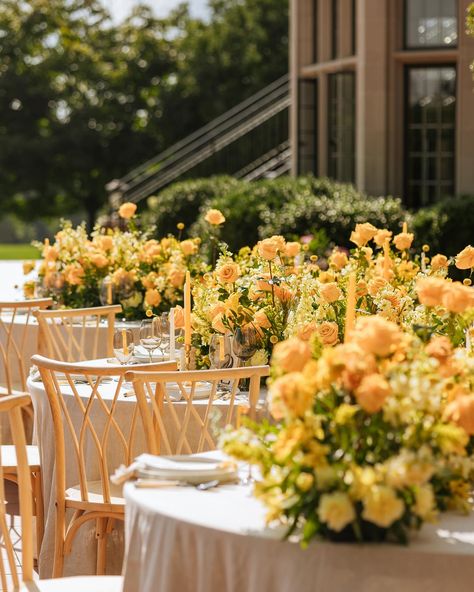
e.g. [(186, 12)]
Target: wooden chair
[(87, 434), (10, 577), (15, 336), (74, 335), (153, 395)]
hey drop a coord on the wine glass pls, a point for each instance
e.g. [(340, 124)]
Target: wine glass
[(245, 343), (164, 321), (150, 335), (123, 345), (220, 356), (107, 291)]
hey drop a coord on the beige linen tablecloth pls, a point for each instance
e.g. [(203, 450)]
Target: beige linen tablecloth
[(83, 557), (181, 539)]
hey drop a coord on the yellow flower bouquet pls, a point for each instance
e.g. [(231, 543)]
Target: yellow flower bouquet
[(369, 439)]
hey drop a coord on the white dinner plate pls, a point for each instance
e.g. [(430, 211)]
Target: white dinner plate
[(202, 390), (191, 469)]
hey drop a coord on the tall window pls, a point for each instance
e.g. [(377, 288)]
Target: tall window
[(341, 126), (314, 9), (431, 23), (307, 127), (335, 29), (430, 133)]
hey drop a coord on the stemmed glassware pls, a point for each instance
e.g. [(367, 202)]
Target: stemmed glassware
[(164, 322), (245, 343), (220, 356), (123, 345), (151, 335)]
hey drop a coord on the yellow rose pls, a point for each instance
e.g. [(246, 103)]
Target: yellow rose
[(228, 273), (179, 317), (189, 247), (215, 310), (261, 320), (304, 481), (403, 240), (292, 393), (98, 260), (425, 503), (452, 439), (376, 285), (214, 217), (461, 412), (361, 289), (292, 249), (330, 292), (291, 355), (440, 347), (430, 291), (336, 510), (127, 210), (104, 242), (362, 234), (74, 274), (382, 506), (283, 294), (328, 333), (28, 267), (176, 277), (439, 262), (407, 470), (377, 336), (267, 249), (372, 392), (457, 297), (152, 298), (338, 259), (465, 259), (381, 236), (149, 280), (306, 332)]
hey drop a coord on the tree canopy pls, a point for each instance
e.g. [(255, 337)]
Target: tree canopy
[(83, 100)]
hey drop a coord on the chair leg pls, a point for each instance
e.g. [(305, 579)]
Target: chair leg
[(39, 509), (101, 535), (59, 543)]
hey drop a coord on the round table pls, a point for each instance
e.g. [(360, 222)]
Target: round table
[(178, 538), (82, 559)]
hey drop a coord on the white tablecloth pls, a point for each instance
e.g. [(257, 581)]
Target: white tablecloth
[(181, 539), (83, 557)]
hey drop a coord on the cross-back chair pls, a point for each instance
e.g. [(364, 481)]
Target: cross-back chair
[(16, 333), (93, 440), (74, 335), (186, 426), (11, 577)]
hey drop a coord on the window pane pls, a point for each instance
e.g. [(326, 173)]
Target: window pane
[(341, 126), (431, 23), (430, 133), (307, 126)]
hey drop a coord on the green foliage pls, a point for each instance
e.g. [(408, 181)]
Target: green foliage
[(289, 206), (18, 252), (181, 202), (447, 226)]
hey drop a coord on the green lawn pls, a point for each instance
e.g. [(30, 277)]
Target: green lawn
[(18, 252)]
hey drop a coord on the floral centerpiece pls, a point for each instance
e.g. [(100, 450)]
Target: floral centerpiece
[(117, 266), (371, 438)]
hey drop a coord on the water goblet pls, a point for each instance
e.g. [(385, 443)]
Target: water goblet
[(123, 345), (150, 335)]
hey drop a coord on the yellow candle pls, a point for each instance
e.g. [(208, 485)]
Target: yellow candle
[(46, 242), (405, 227), (109, 292), (124, 342), (386, 259), (221, 348), (350, 306), (187, 309)]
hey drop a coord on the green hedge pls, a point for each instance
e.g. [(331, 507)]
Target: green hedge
[(447, 226), (304, 205), (181, 202)]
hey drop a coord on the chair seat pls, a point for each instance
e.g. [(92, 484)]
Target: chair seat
[(94, 488), (76, 584), (9, 462)]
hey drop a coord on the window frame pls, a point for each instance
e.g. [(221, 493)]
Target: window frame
[(408, 47)]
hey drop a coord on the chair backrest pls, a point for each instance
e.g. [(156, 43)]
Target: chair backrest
[(10, 578), (93, 433), (73, 335), (186, 426), (15, 336)]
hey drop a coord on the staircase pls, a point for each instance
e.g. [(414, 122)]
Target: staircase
[(250, 141)]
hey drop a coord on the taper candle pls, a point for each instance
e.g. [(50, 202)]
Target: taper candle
[(124, 342), (172, 335), (187, 309)]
